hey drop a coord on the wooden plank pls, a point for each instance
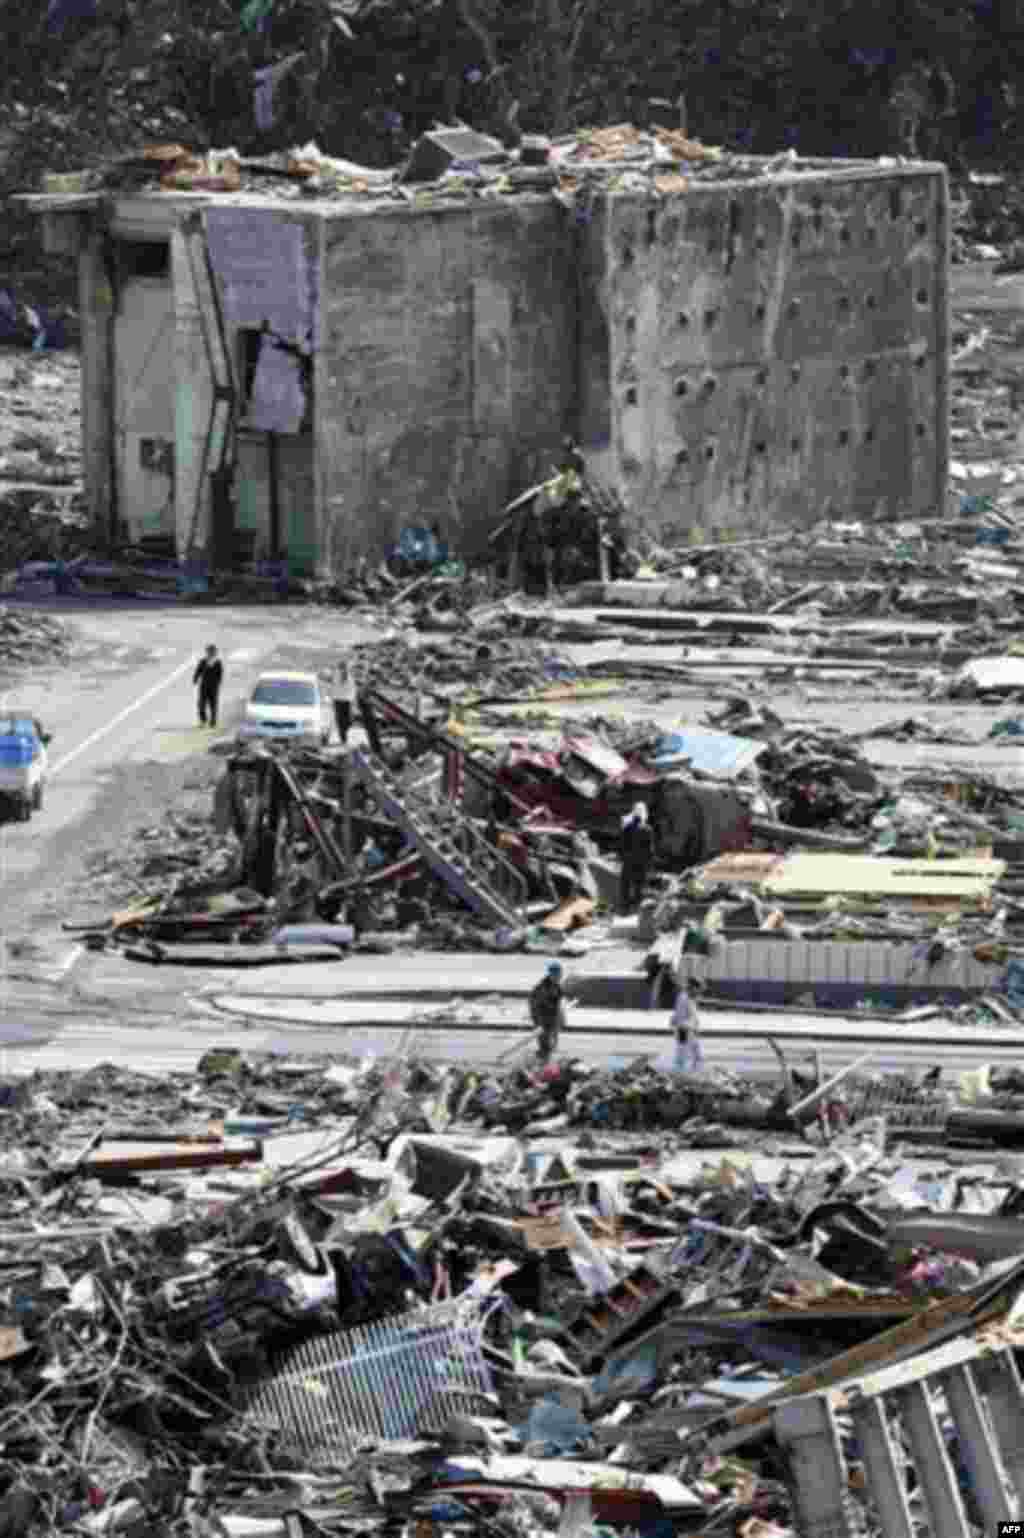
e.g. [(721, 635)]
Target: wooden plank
[(570, 914), (144, 1158)]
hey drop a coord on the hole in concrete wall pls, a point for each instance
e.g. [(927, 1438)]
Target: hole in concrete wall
[(709, 452), (843, 305), (870, 235), (871, 302), (710, 385), (920, 430), (844, 235), (870, 367), (921, 227), (652, 226), (895, 203), (631, 396), (759, 242), (921, 296), (795, 237), (844, 371), (794, 307), (760, 311), (921, 360), (630, 324), (627, 256), (144, 259), (869, 436), (794, 444), (817, 201), (684, 319), (844, 437), (733, 235), (710, 316), (818, 221), (762, 376), (682, 388), (760, 447), (683, 457), (794, 372)]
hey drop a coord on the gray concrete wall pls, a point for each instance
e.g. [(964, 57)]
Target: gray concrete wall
[(778, 351), (447, 368)]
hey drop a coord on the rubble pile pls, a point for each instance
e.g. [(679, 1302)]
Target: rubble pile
[(289, 1294), (29, 636), (447, 162), (807, 877)]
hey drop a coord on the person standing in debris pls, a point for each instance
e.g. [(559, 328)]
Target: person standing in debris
[(209, 675), (908, 109), (687, 1056), (344, 701), (637, 850), (547, 1011)]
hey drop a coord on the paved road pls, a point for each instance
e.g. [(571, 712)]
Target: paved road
[(460, 1008), (131, 699)]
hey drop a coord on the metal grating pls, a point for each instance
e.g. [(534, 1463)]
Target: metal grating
[(384, 1381), (912, 1469)]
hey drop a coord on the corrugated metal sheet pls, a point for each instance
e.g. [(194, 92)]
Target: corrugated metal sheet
[(836, 971)]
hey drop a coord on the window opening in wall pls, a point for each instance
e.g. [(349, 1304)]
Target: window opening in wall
[(144, 259), (248, 356), (288, 355)]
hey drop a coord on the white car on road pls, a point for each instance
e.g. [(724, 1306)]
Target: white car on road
[(287, 707)]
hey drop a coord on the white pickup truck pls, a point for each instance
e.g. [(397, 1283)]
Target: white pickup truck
[(22, 762)]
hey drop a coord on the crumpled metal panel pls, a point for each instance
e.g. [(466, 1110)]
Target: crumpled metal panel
[(779, 349)]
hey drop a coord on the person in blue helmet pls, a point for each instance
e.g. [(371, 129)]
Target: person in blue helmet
[(547, 1011)]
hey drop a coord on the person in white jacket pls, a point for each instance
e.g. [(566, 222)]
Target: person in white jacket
[(687, 1055)]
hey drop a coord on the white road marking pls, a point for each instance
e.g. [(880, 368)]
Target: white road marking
[(108, 726), (74, 954)]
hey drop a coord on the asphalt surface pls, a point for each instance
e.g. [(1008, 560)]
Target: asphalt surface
[(127, 699)]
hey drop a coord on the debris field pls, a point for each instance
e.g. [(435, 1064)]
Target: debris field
[(291, 1294), (294, 1294)]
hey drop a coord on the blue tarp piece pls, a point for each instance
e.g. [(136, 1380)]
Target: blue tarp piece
[(716, 753), (416, 543), (1015, 984), (555, 1425), (1011, 726)]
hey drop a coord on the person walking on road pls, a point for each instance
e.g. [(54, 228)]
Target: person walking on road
[(547, 1011), (637, 849), (344, 701), (209, 675), (688, 1057)]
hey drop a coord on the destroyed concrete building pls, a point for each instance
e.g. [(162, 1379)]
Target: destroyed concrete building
[(735, 343)]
